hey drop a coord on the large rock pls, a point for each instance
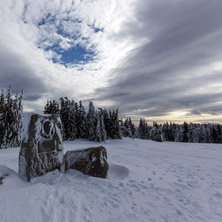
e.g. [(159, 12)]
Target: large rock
[(42, 148), (91, 161)]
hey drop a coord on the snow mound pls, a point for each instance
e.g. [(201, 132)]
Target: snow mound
[(11, 179), (117, 172)]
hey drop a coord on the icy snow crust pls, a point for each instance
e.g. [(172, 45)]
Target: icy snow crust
[(147, 181)]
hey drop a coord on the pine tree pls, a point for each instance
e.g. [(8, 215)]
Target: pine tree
[(17, 116), (72, 123), (82, 123), (51, 107), (127, 129), (107, 123), (214, 136), (143, 131), (115, 132), (91, 122), (156, 133), (219, 133), (100, 132), (68, 118), (122, 128), (185, 136), (132, 128), (102, 125), (2, 121), (10, 119), (97, 136)]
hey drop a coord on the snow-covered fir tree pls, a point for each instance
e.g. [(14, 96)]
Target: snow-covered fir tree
[(2, 121), (91, 122), (81, 121), (156, 133), (185, 135), (115, 131), (100, 132), (72, 124), (107, 123), (132, 128), (97, 133), (102, 125), (10, 119), (143, 130), (126, 129), (51, 107), (68, 118)]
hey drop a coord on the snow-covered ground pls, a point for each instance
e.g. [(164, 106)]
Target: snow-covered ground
[(147, 181)]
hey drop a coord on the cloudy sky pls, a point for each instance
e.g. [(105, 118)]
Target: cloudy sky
[(154, 59)]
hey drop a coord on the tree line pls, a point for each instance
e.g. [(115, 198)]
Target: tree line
[(101, 124), (98, 124), (187, 133)]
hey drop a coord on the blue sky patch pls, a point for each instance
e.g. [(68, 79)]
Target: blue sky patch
[(74, 55), (77, 54)]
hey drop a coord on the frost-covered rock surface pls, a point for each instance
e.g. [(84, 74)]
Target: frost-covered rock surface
[(42, 147), (90, 161), (147, 181)]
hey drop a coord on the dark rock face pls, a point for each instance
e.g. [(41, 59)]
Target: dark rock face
[(42, 148), (91, 161)]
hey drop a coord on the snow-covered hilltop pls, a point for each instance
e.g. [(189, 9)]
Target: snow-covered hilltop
[(147, 181)]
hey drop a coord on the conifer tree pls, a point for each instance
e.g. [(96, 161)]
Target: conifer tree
[(97, 136), (156, 133), (143, 131), (107, 123), (72, 123), (10, 119), (132, 128), (219, 133), (127, 129), (51, 107), (185, 135), (67, 115), (102, 125), (82, 123), (91, 122), (115, 132), (2, 121), (122, 128)]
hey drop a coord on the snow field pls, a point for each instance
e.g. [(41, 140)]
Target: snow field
[(147, 181)]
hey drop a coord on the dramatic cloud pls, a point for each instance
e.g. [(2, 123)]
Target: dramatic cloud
[(60, 48), (159, 60), (176, 68)]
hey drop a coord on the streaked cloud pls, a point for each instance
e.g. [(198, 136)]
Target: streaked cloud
[(178, 65)]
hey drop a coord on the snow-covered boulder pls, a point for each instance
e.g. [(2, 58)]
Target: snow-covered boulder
[(42, 147), (90, 161)]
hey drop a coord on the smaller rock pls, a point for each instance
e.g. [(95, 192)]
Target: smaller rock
[(90, 161)]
